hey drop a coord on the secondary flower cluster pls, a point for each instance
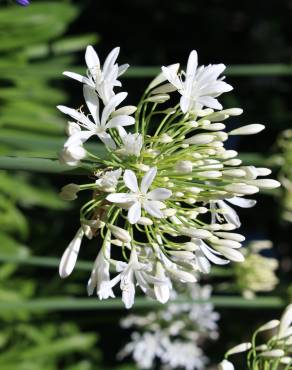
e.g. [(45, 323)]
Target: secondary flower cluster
[(161, 205), (173, 336), (257, 272), (275, 354), (284, 160)]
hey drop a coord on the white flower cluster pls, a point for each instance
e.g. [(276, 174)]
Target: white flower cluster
[(173, 336), (275, 354), (162, 194), (257, 272)]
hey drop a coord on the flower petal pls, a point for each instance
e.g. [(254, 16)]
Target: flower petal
[(70, 255), (120, 198), (92, 102), (91, 58), (130, 180), (134, 213), (242, 202), (159, 194), (122, 120), (111, 106), (107, 140), (152, 207), (148, 179), (78, 138)]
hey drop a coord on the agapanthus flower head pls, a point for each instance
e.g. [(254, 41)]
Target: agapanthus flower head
[(257, 273), (164, 187), (275, 352), (173, 336)]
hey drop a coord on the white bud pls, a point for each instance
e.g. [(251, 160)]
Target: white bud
[(209, 174), (196, 233), (230, 253), (274, 353), (143, 167), (183, 276), (234, 173), (243, 347), (269, 325), (233, 162), (158, 98), (286, 360), (126, 110), (229, 154), (169, 212), (252, 129), (120, 233), (184, 166), (117, 242), (194, 190), (216, 127), (240, 188), (266, 183), (166, 88), (228, 227), (70, 255), (231, 236), (251, 172), (178, 194), (225, 365), (200, 139), (221, 135), (183, 255), (72, 128), (184, 146), (262, 171), (165, 139), (69, 192), (145, 221), (229, 243), (233, 111), (192, 124)]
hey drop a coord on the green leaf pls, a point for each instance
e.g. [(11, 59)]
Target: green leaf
[(10, 248), (36, 23)]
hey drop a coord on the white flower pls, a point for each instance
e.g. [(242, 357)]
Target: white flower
[(109, 180), (100, 275), (200, 86), (140, 197), (71, 155), (70, 255), (103, 80), (225, 365), (228, 213), (132, 144), (99, 126), (130, 271)]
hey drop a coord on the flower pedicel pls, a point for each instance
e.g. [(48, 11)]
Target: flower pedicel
[(164, 192)]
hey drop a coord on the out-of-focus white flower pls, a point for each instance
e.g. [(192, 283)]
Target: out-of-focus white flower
[(104, 79), (200, 86), (140, 197), (173, 335)]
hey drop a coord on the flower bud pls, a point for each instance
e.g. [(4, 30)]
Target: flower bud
[(266, 183), (248, 129), (165, 139), (240, 188), (145, 221), (120, 233), (243, 347), (69, 192), (184, 166), (70, 255), (200, 139), (269, 325)]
